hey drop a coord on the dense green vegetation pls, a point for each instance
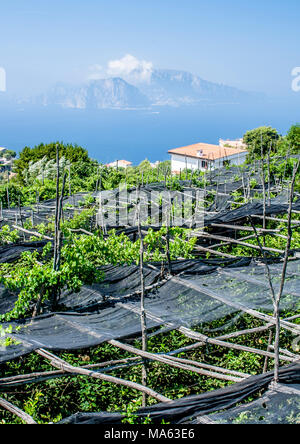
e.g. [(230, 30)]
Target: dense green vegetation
[(268, 140), (82, 256), (261, 139), (58, 398)]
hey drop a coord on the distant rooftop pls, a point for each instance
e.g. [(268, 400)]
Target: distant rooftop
[(238, 143), (120, 163)]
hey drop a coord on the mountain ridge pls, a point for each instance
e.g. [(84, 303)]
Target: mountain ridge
[(163, 87), (96, 94)]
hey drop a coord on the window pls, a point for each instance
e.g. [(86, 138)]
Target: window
[(204, 164)]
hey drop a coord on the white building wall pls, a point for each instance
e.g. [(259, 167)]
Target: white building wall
[(181, 163), (191, 163)]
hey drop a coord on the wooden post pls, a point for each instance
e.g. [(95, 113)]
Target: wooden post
[(70, 190), (186, 169), (7, 191), (143, 312), (264, 188), (249, 187), (217, 191), (58, 233), (268, 349), (168, 235), (285, 165), (269, 176), (20, 215), (56, 223), (283, 275), (19, 210), (38, 202)]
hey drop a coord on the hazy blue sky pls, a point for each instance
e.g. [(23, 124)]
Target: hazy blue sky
[(253, 45)]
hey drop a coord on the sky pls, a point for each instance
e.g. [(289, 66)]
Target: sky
[(253, 45)]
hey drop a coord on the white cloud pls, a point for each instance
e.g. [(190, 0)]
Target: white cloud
[(128, 68), (131, 69)]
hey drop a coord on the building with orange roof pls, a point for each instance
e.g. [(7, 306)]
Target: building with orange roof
[(203, 156)]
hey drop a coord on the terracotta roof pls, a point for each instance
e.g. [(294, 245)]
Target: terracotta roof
[(208, 151)]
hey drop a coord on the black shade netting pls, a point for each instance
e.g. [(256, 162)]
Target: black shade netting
[(279, 405), (188, 300)]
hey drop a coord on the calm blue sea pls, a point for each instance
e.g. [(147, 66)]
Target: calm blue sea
[(135, 135)]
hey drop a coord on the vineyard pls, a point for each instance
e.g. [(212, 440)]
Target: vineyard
[(136, 296)]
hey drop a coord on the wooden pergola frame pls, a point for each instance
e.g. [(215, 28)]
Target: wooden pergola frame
[(142, 356)]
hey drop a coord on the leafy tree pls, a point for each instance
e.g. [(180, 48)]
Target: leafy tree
[(73, 154), (145, 166), (45, 169), (293, 138), (35, 279), (265, 137)]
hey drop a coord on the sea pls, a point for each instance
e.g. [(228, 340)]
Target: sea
[(138, 134)]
